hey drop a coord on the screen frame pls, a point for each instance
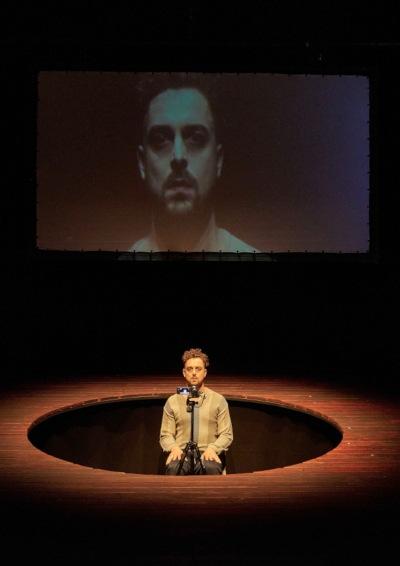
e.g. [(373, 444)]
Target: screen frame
[(280, 60)]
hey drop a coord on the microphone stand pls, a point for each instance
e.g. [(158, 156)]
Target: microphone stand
[(191, 449)]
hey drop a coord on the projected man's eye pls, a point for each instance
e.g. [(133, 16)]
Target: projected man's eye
[(160, 138), (196, 137)]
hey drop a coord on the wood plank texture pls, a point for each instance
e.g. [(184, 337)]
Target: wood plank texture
[(359, 476)]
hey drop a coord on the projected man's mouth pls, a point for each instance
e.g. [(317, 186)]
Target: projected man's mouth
[(180, 193), (180, 185)]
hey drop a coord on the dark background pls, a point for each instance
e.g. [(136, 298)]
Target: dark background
[(332, 317)]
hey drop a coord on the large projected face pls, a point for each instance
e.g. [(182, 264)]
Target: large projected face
[(180, 159), (229, 162)]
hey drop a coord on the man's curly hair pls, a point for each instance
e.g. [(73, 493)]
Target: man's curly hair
[(195, 353)]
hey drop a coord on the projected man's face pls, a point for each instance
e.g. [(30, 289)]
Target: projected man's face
[(195, 372), (180, 159)]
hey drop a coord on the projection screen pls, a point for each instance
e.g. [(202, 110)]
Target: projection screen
[(191, 162)]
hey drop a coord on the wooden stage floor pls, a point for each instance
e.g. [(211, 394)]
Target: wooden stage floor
[(339, 508)]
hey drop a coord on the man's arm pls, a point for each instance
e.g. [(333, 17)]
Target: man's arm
[(224, 431), (167, 434), (168, 429)]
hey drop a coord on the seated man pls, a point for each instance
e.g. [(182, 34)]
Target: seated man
[(212, 427)]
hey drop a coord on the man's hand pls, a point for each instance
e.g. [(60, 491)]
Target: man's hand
[(210, 454), (175, 454)]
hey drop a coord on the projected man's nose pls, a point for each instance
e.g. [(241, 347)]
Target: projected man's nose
[(179, 161), (178, 164)]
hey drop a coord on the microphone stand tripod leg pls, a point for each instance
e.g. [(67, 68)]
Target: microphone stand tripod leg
[(183, 458)]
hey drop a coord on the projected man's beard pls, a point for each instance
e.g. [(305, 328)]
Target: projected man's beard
[(180, 194)]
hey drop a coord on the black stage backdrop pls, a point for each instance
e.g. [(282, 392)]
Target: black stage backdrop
[(296, 315)]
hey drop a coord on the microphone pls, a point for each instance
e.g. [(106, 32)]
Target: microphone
[(194, 391), (190, 403)]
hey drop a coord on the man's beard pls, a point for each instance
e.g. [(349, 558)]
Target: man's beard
[(181, 194), (181, 216), (180, 204)]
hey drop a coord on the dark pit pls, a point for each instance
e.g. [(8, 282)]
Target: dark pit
[(121, 434)]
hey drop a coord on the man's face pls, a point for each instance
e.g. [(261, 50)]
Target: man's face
[(180, 159), (195, 372)]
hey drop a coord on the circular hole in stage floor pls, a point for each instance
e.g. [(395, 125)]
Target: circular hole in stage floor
[(121, 434)]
